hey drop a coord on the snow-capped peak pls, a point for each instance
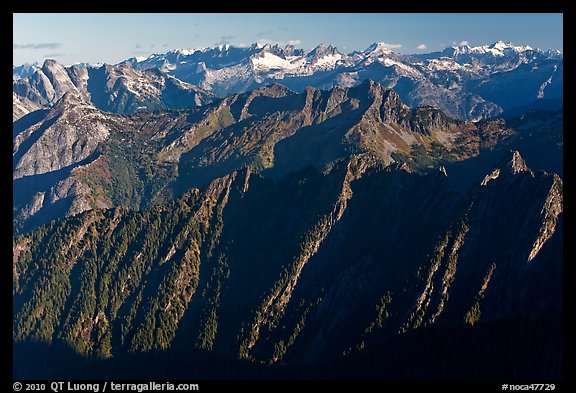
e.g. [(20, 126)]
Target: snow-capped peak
[(553, 53), (497, 49), (377, 49), (501, 45), (322, 51), (295, 61), (274, 49), (24, 70)]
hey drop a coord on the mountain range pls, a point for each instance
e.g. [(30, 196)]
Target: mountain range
[(75, 157), (117, 89), (467, 83), (268, 212)]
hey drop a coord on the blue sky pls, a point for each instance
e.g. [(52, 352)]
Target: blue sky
[(111, 38)]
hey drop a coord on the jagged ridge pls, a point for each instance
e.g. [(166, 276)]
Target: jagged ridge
[(108, 160)]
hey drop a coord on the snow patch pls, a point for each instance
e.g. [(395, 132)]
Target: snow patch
[(184, 52), (270, 61), (329, 60), (389, 63), (443, 64), (546, 83)]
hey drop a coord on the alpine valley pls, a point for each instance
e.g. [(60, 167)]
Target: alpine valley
[(268, 212)]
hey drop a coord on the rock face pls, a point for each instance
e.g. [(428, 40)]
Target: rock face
[(68, 134), (313, 269), (117, 89), (21, 107)]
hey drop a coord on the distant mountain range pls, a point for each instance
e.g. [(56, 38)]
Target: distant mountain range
[(468, 83)]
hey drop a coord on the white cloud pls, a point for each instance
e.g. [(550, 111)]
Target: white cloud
[(421, 47), (390, 46), (264, 41), (463, 43)]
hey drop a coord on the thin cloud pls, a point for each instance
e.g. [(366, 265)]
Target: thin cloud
[(40, 45), (462, 43), (294, 42), (54, 55), (264, 41), (225, 39), (265, 32), (421, 47)]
